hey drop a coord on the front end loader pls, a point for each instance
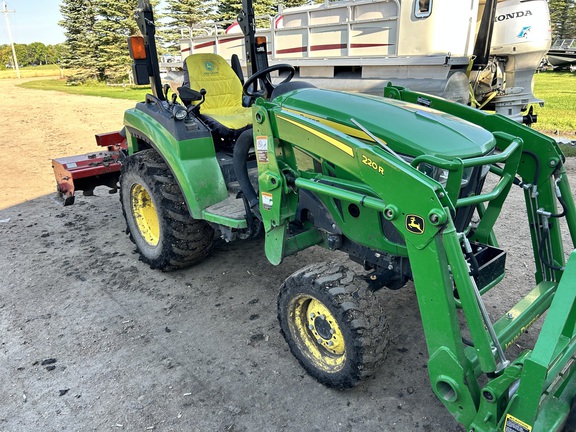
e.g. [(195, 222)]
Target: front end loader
[(398, 183)]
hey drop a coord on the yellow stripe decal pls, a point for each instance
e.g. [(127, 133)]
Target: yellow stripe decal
[(340, 145), (348, 130)]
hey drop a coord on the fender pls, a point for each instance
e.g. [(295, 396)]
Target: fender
[(192, 161)]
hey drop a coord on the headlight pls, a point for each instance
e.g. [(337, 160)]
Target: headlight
[(441, 174), (179, 112), (466, 176), (438, 174)]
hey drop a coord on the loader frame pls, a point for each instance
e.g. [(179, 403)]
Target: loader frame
[(534, 392)]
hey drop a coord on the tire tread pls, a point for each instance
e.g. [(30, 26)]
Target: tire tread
[(358, 308), (185, 240)]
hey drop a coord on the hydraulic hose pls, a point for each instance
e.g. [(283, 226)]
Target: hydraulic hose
[(563, 204), (560, 200), (474, 267), (541, 253), (241, 148), (537, 161)]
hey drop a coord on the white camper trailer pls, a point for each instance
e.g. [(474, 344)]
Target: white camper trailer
[(425, 45)]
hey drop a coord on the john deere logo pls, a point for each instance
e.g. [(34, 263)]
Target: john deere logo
[(415, 224), (209, 66)]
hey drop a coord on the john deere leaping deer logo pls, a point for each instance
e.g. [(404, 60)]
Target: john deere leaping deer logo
[(415, 224), (209, 66)]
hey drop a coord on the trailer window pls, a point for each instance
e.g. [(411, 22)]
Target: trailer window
[(422, 8)]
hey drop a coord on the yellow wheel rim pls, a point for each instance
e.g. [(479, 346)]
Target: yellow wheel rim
[(145, 215), (317, 333)]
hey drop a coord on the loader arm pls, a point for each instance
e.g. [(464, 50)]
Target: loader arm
[(363, 187)]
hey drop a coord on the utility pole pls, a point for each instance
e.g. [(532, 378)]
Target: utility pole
[(5, 12)]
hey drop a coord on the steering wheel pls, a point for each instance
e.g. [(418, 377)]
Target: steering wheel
[(264, 77)]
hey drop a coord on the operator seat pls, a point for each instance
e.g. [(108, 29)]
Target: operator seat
[(222, 111)]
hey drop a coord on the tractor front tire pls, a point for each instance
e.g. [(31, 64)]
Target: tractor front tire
[(333, 324), (159, 223)]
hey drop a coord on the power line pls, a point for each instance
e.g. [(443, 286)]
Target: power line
[(6, 12)]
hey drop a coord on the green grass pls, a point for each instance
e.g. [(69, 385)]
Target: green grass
[(134, 93), (558, 90), (32, 72), (568, 150)]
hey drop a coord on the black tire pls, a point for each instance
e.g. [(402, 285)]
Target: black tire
[(159, 223), (333, 324)]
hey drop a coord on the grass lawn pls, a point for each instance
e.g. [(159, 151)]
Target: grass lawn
[(558, 90), (135, 93), (32, 72)]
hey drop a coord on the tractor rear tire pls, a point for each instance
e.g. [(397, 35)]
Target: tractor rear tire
[(333, 324), (159, 223)]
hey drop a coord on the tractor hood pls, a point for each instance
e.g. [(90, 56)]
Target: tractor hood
[(407, 128)]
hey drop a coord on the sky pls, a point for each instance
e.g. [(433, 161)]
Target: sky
[(32, 21)]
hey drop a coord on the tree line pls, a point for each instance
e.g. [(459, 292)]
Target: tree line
[(33, 54), (96, 31)]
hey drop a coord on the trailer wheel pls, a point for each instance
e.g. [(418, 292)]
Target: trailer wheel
[(333, 324), (159, 223)]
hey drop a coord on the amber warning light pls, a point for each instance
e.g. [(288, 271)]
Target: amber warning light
[(141, 67), (137, 48)]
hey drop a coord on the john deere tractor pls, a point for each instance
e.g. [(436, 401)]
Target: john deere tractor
[(396, 182)]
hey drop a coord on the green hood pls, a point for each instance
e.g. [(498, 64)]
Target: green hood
[(407, 128)]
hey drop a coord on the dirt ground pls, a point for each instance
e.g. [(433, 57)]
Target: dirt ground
[(93, 339)]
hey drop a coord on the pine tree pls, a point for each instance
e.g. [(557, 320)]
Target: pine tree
[(81, 49), (115, 23), (563, 18), (96, 37), (186, 13), (294, 3), (198, 13), (228, 10)]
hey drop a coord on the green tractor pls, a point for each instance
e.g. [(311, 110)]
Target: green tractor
[(396, 182)]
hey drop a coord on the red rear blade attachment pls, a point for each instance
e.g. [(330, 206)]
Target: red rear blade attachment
[(85, 172)]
